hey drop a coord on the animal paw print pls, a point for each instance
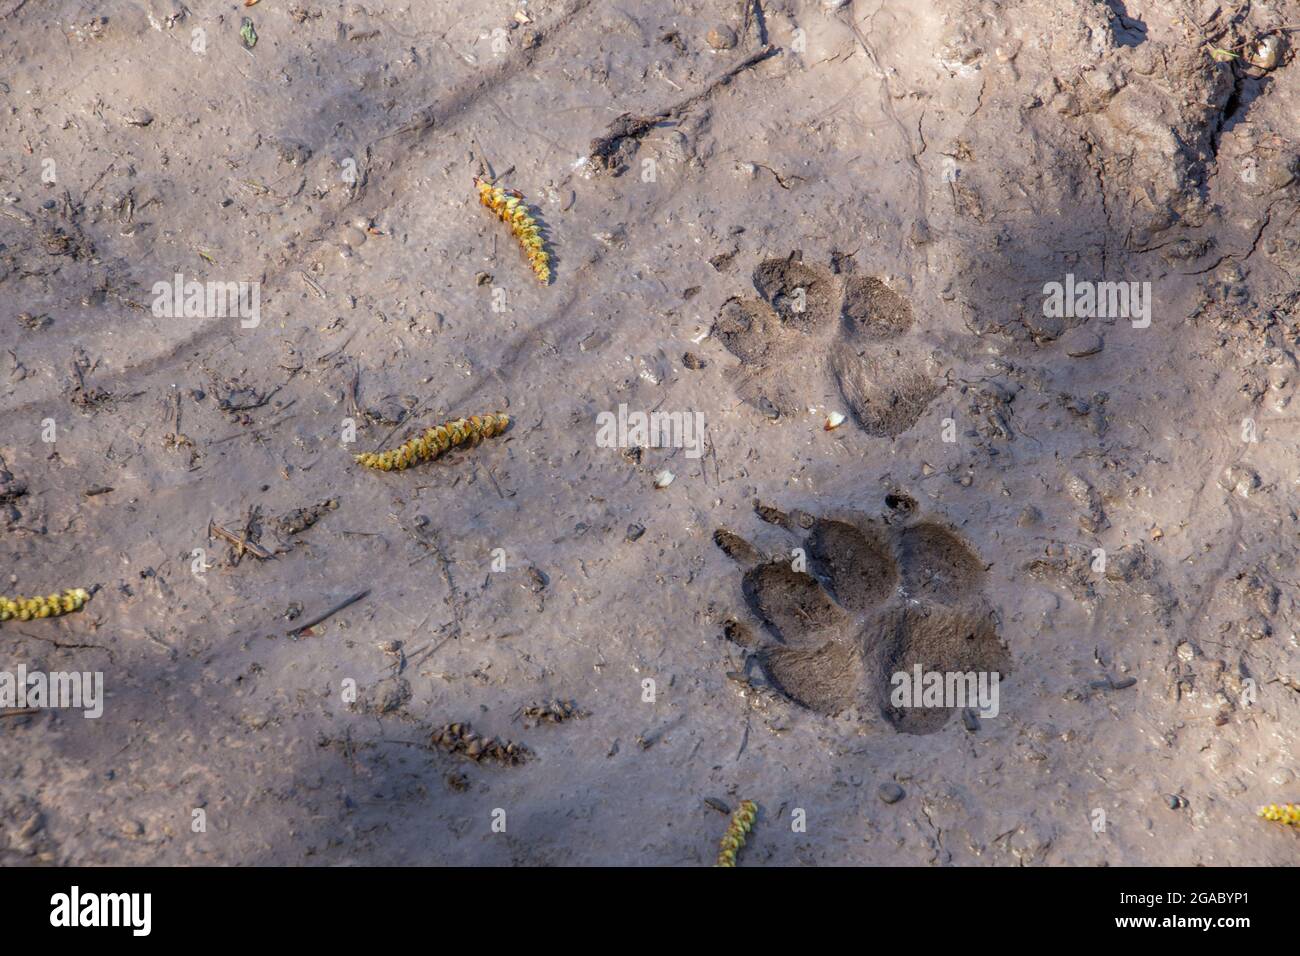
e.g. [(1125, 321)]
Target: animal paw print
[(811, 334), (859, 600)]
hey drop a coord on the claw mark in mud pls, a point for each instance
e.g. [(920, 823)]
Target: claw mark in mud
[(877, 597), (809, 328)]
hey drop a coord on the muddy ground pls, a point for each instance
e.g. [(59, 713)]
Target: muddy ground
[(859, 220)]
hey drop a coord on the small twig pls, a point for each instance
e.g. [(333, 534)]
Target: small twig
[(239, 541), (348, 602)]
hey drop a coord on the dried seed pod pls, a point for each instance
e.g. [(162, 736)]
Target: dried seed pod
[(742, 821), (510, 208), (435, 441), (30, 609), (1288, 813)]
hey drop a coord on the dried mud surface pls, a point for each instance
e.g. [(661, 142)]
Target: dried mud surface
[(919, 171)]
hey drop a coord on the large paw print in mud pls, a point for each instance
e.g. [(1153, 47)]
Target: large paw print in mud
[(811, 334), (859, 600)]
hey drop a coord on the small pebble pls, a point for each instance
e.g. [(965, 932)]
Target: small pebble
[(593, 341), (1079, 343), (634, 531), (891, 792)]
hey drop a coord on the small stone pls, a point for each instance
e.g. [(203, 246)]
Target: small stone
[(1029, 516), (693, 361), (1174, 802), (891, 792), (970, 720), (139, 117), (768, 408), (634, 531), (721, 38), (593, 341), (1079, 343), (1266, 53)]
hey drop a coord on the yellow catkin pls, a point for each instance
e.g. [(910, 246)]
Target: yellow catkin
[(31, 609), (434, 441), (1288, 813), (742, 821), (510, 208)]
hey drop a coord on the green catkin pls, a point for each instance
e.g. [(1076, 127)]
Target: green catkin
[(742, 821), (510, 208), (434, 441), (30, 609)]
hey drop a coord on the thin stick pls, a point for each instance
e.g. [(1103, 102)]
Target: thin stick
[(240, 542), (330, 613)]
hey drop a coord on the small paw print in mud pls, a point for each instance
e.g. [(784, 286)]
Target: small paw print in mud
[(811, 336), (851, 600)]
